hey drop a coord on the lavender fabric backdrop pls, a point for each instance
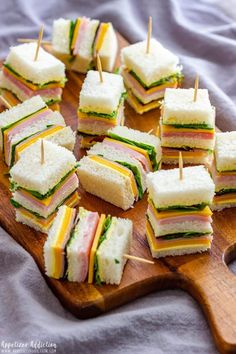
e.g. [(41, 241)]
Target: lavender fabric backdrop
[(202, 34)]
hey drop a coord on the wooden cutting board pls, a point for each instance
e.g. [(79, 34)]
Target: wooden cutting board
[(205, 276)]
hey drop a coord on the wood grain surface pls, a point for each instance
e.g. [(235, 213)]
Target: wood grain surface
[(205, 276)]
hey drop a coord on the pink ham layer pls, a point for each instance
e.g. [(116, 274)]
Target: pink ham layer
[(140, 91), (82, 30), (181, 219), (56, 196), (87, 236), (25, 123), (102, 126), (223, 179), (191, 135), (57, 91), (135, 154)]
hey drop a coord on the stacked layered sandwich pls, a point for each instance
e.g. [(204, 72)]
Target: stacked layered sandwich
[(178, 219), (87, 247), (115, 170), (147, 75), (188, 126), (101, 106), (77, 43), (39, 186), (223, 171), (25, 77), (24, 124)]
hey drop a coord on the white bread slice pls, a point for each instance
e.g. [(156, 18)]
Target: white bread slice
[(61, 36), (179, 107), (109, 49), (29, 173), (182, 141), (101, 97), (151, 67), (46, 68), (220, 207), (105, 183), (179, 251), (65, 137), (138, 137), (110, 253), (20, 111), (20, 217), (114, 155), (195, 160), (225, 151), (166, 189), (82, 61)]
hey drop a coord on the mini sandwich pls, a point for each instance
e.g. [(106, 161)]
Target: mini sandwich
[(112, 241), (77, 43), (188, 126), (29, 121), (101, 104), (223, 171), (58, 236), (40, 187), (25, 77), (109, 152), (147, 75), (146, 144), (178, 219)]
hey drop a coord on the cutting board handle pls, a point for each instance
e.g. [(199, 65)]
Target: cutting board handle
[(213, 285)]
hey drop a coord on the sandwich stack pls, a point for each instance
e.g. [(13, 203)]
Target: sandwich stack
[(188, 126), (178, 219), (41, 180), (115, 170), (147, 75), (223, 171), (101, 106), (25, 77), (77, 43), (24, 124), (92, 247)]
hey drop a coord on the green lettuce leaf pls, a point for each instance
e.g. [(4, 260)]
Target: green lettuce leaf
[(72, 27), (190, 126), (176, 77), (189, 234), (150, 149), (226, 191), (184, 207)]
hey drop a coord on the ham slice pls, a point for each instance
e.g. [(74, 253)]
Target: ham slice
[(190, 135), (81, 34)]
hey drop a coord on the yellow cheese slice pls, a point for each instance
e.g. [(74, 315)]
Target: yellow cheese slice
[(32, 86), (94, 248), (192, 154), (123, 171), (225, 198), (139, 108), (58, 247), (26, 143), (38, 221), (102, 32), (172, 129), (157, 245), (73, 200), (133, 147), (83, 115), (172, 213), (76, 31)]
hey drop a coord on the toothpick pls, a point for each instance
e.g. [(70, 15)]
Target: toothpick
[(180, 166), (99, 66), (5, 102), (196, 88), (138, 259), (39, 43), (149, 34), (42, 152), (150, 131), (30, 40)]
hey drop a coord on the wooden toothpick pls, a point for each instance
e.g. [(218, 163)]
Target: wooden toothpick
[(42, 152), (196, 88), (149, 34), (138, 259), (30, 40), (5, 102), (180, 166), (99, 66), (39, 43)]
